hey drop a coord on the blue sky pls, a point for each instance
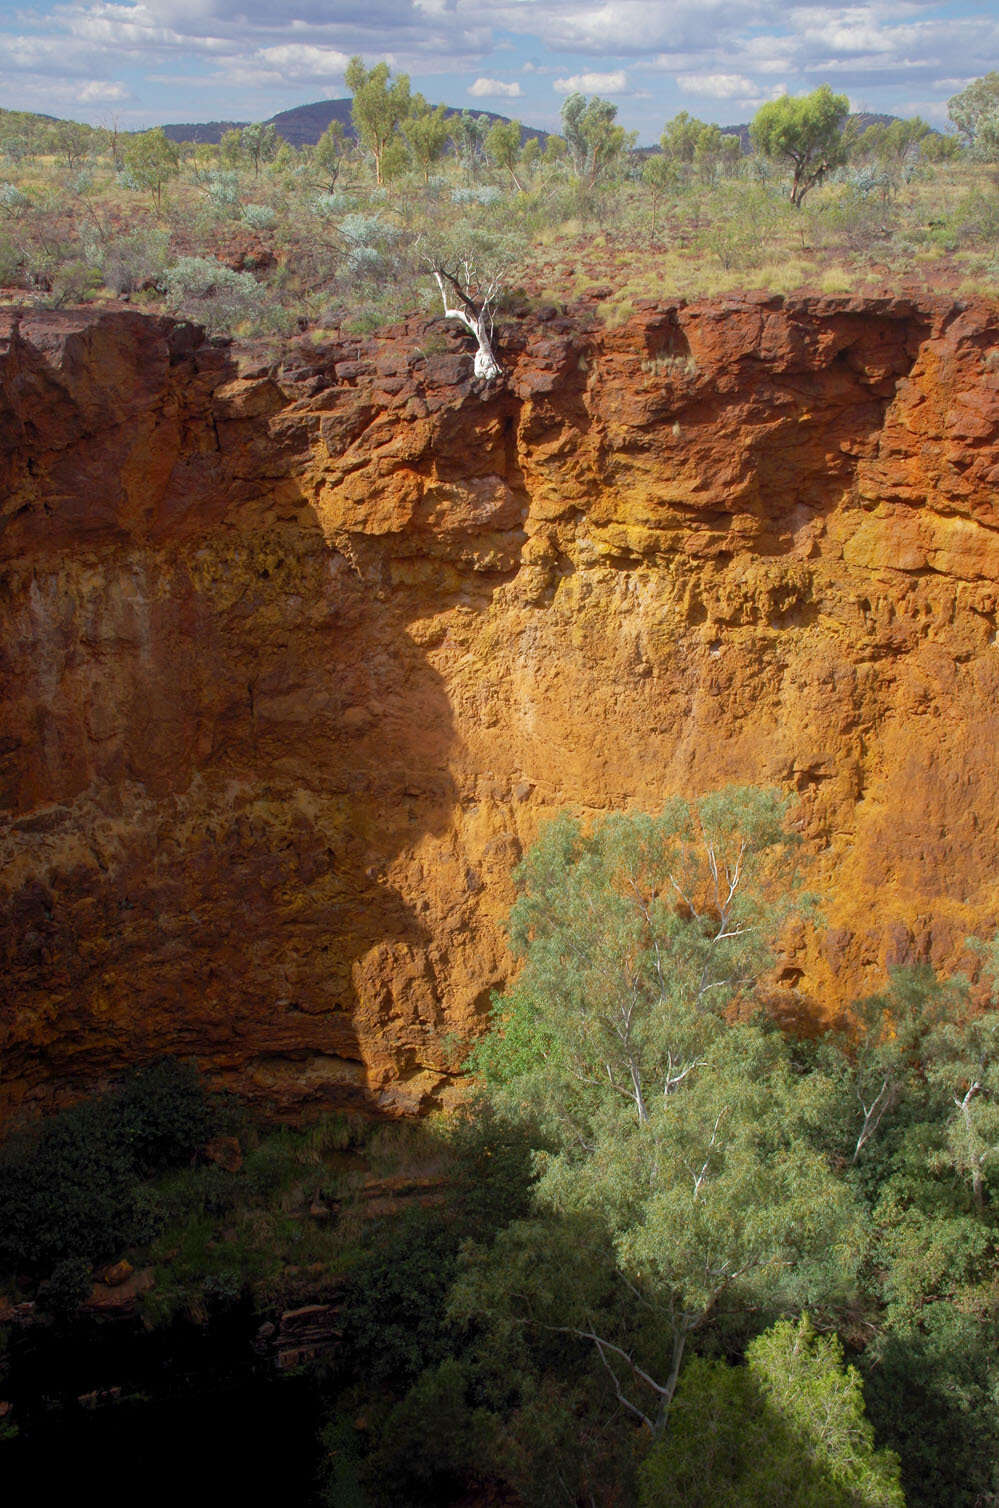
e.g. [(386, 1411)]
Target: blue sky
[(146, 62)]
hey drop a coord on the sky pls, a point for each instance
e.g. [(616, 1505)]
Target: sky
[(149, 62)]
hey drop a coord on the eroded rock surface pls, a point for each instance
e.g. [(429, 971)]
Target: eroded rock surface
[(296, 658)]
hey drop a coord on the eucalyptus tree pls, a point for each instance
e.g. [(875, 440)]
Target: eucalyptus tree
[(595, 143), (381, 104), (503, 147), (804, 133), (674, 1129), (151, 158), (426, 133), (975, 113)]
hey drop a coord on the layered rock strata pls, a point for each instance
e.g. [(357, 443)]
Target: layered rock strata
[(296, 657)]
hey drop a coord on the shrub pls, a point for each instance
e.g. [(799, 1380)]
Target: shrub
[(259, 216), (133, 261), (161, 1116), (69, 1188), (12, 198), (222, 189), (485, 194), (211, 292)]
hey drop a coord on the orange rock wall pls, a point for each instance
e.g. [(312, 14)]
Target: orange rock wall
[(295, 658)]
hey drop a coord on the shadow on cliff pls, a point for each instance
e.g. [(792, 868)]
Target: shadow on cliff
[(246, 754)]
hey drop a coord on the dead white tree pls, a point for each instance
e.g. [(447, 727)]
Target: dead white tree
[(471, 300)]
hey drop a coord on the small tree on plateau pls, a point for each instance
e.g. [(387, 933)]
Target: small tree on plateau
[(426, 132), (379, 107), (331, 150), (658, 176), (596, 144), (806, 132), (502, 146), (975, 113), (151, 159), (260, 143)]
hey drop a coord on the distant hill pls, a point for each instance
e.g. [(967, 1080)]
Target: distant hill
[(211, 131), (303, 125)]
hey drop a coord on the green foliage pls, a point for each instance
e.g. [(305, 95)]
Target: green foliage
[(69, 1188), (259, 216), (231, 152), (595, 143), (205, 289), (330, 151), (691, 144), (426, 133), (66, 1287), (805, 132), (151, 159), (787, 1428), (502, 146), (133, 259), (933, 1393), (659, 177), (394, 1323), (161, 1116), (429, 1441), (975, 113), (468, 133), (71, 140), (916, 1134), (259, 143), (379, 107), (222, 189), (689, 1140)]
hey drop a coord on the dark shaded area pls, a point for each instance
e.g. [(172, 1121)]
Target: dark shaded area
[(195, 1418)]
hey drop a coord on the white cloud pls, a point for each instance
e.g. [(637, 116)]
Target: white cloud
[(717, 85), (593, 83), (99, 91), (495, 89), (300, 60)]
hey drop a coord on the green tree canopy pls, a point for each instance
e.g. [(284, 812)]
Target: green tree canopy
[(150, 159), (260, 143), (381, 104), (659, 176), (687, 1139), (975, 113), (789, 1427), (595, 143), (72, 141), (330, 151), (426, 132), (805, 132), (502, 146)]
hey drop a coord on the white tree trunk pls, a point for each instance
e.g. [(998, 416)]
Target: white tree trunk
[(485, 366)]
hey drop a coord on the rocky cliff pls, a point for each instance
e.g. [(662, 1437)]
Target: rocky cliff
[(296, 657)]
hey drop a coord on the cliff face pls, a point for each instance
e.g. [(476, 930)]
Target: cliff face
[(294, 660)]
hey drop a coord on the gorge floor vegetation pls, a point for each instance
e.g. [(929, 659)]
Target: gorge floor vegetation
[(666, 1253)]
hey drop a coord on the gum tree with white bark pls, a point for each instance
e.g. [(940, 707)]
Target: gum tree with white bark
[(470, 287)]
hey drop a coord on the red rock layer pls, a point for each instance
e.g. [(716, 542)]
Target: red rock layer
[(296, 658)]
